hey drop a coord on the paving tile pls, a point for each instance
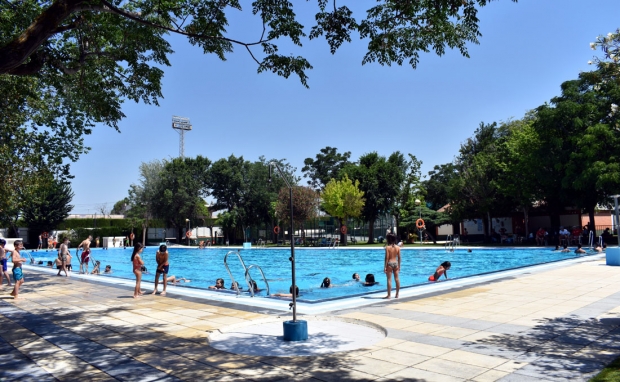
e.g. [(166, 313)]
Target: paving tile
[(412, 374), (490, 376), (374, 367), (474, 359), (454, 369), (399, 357)]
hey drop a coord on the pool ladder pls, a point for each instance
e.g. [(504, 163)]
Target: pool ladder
[(451, 243), (248, 278), (334, 244)]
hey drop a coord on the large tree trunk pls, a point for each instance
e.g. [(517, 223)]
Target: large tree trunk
[(371, 231)]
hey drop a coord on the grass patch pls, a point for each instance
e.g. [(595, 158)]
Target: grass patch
[(611, 373)]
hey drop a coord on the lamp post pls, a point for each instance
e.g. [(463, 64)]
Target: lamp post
[(293, 330), (188, 230), (419, 204)]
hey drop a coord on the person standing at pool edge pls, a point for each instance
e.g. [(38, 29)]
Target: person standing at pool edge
[(18, 275), (162, 267), (3, 263), (392, 264), (85, 245), (137, 263)]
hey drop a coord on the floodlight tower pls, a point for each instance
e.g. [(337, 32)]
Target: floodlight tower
[(181, 125)]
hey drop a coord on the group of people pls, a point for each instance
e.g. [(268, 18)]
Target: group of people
[(392, 266), (163, 268)]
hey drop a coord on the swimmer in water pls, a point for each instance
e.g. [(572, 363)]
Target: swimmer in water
[(441, 270)]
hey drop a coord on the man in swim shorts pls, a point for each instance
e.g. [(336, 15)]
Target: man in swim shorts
[(162, 267), (18, 275), (3, 260), (85, 246)]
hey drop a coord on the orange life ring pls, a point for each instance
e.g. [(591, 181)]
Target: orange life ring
[(132, 236), (188, 234), (343, 229), (45, 235), (276, 230), (419, 223)]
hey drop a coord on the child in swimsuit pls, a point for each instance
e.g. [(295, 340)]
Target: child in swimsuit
[(137, 269), (18, 275), (441, 270), (392, 264)]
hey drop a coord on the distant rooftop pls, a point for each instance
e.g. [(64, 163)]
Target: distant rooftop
[(95, 216)]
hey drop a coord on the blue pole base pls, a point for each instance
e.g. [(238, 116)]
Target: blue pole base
[(295, 330)]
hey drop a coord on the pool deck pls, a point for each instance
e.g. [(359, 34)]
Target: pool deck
[(559, 323)]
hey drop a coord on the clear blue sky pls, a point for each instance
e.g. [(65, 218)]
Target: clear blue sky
[(527, 50)]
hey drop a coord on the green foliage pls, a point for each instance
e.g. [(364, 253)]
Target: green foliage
[(68, 65), (181, 192), (343, 199), (120, 207), (325, 167), (438, 185), (48, 207), (380, 179)]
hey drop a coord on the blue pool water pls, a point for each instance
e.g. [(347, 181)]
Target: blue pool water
[(204, 266)]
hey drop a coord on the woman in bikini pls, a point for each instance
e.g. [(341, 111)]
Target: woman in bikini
[(137, 268), (392, 264)]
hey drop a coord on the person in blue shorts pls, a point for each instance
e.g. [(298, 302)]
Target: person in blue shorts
[(3, 262), (18, 275)]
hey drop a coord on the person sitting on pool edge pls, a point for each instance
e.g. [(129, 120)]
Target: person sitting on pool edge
[(326, 283), (370, 280), (441, 270), (290, 295), (356, 277), (579, 250), (219, 284)]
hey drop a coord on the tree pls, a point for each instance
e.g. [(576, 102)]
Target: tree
[(305, 205), (410, 189), (580, 132), (142, 195), (343, 199), (474, 194), (325, 167), (120, 207), (380, 179), (183, 185), (50, 207), (66, 65), (517, 179), (437, 185)]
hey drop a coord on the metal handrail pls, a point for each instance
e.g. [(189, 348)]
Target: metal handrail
[(228, 269), (248, 278), (591, 239), (334, 244), (448, 242)]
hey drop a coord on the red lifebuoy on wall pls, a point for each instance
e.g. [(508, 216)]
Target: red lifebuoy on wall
[(343, 229), (132, 236), (276, 230), (188, 234), (419, 223)]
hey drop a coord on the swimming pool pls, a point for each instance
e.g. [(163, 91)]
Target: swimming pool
[(202, 267)]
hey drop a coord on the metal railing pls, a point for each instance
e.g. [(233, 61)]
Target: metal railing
[(248, 278)]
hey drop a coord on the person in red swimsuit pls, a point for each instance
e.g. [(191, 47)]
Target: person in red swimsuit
[(441, 270)]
